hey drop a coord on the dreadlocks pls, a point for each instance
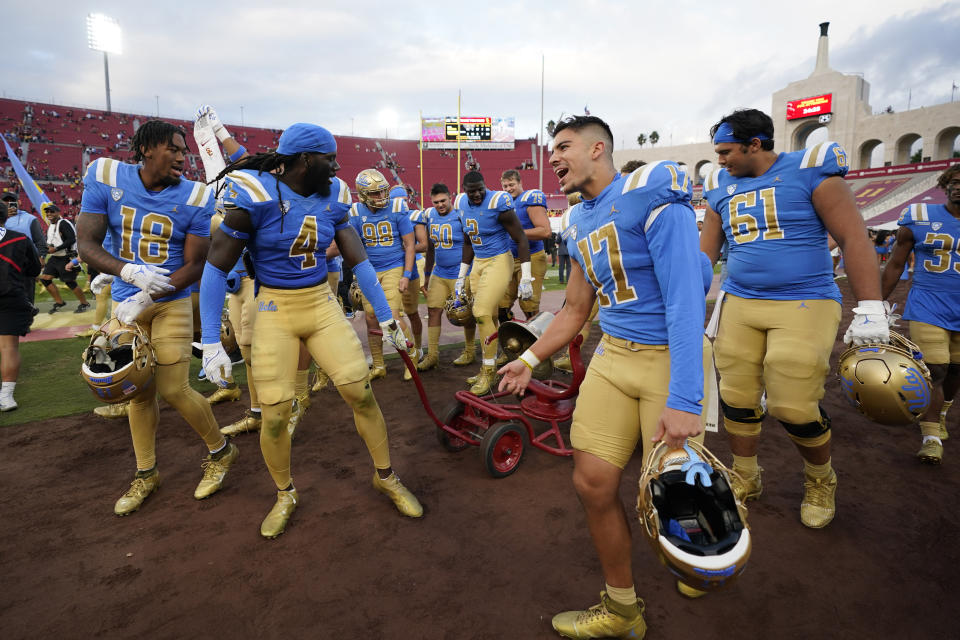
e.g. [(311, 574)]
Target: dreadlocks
[(262, 162), (151, 133)]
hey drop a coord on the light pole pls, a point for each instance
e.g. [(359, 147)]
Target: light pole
[(103, 34), (241, 115)]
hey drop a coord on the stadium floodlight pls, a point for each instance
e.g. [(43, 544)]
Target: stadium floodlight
[(103, 34)]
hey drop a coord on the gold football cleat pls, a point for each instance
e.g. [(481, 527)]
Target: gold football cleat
[(931, 452), (225, 394), (469, 356), (119, 410), (431, 361), (300, 406), (140, 488), (320, 380), (406, 502), (214, 471), (746, 487), (819, 501), (249, 422), (484, 381), (276, 521), (378, 372), (608, 619), (563, 363)]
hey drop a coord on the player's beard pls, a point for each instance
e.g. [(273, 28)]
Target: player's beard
[(322, 177)]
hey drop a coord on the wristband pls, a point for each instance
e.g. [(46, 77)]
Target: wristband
[(233, 233), (408, 275), (529, 358), (236, 155), (872, 307)]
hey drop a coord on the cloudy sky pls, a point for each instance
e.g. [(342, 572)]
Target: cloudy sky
[(368, 68)]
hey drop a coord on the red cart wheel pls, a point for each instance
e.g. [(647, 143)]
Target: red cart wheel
[(502, 448), (452, 419)]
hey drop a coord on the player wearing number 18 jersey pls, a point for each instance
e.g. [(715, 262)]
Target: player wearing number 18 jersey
[(286, 208), (781, 308), (158, 224)]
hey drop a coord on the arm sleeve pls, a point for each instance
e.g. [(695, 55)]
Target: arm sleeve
[(372, 291), (213, 290), (672, 238)]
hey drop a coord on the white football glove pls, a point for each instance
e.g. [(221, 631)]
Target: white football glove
[(100, 283), (458, 286), (152, 280), (525, 288), (871, 323), (216, 364), (128, 310), (213, 120), (393, 334)]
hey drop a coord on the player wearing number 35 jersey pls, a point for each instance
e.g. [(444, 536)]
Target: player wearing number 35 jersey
[(286, 208), (159, 224), (781, 308)]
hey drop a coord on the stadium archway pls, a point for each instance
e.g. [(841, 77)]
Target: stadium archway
[(704, 167), (904, 148), (946, 142), (808, 134), (871, 154)]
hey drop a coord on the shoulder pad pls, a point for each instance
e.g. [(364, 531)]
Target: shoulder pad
[(827, 155), (354, 210), (104, 170), (199, 195), (459, 200), (534, 197), (251, 185), (399, 205), (712, 181), (500, 199), (344, 196), (565, 218), (918, 212)]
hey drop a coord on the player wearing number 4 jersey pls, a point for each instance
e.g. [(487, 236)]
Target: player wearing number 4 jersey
[(286, 208), (781, 307), (159, 225), (932, 232)]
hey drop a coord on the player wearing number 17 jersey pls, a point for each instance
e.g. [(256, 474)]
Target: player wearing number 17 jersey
[(286, 208), (781, 308), (158, 224)]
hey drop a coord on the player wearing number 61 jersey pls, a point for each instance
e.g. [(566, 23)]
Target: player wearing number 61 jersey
[(159, 224), (286, 207), (781, 308)]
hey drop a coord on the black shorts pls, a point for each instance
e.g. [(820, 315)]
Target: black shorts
[(57, 267), (17, 315)]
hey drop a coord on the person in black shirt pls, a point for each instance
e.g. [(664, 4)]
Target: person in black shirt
[(61, 260)]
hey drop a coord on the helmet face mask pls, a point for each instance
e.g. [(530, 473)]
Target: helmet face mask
[(119, 362), (373, 189), (888, 383), (696, 527), (459, 309)]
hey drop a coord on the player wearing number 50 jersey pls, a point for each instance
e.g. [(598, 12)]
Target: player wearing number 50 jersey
[(159, 224), (781, 308), (286, 208), (932, 232)]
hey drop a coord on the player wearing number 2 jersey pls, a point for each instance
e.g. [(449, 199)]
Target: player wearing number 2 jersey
[(932, 232), (286, 208), (781, 308), (158, 224)]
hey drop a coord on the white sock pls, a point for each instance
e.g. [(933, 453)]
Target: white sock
[(6, 389), (925, 438)]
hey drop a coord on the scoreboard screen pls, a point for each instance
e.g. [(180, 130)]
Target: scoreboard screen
[(475, 132), (815, 106)]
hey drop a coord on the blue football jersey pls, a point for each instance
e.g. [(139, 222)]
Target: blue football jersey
[(637, 244), (934, 296), (418, 216), (529, 198), (382, 232), (446, 233), (291, 232), (145, 227), (482, 225), (778, 244)]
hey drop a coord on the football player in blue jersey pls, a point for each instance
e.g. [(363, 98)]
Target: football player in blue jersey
[(489, 223), (160, 227), (781, 306), (634, 244), (387, 233), (444, 252), (932, 233), (531, 208), (285, 208)]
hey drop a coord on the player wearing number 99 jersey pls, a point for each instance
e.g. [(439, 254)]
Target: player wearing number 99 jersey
[(286, 208), (781, 308), (156, 219)]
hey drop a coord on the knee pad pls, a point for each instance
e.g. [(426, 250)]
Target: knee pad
[(274, 418), (742, 422), (810, 434), (506, 315), (72, 284)]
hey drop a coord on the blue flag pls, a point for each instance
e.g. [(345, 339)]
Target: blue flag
[(37, 197)]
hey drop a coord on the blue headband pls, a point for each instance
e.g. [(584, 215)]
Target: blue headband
[(302, 137), (725, 134)]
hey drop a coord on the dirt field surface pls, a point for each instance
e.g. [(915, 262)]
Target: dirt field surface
[(489, 559)]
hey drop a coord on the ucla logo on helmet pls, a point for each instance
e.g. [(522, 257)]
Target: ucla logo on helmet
[(116, 194)]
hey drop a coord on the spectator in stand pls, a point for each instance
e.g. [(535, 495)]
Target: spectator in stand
[(61, 249), (18, 261), (29, 225)]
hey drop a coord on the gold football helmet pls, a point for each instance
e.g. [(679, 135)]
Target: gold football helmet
[(228, 338), (459, 309), (373, 189), (888, 383), (692, 518), (119, 362)]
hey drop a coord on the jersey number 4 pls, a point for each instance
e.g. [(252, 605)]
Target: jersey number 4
[(594, 244), (746, 226), (305, 244), (155, 231)]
